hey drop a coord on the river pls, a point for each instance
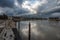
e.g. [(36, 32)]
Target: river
[(40, 30)]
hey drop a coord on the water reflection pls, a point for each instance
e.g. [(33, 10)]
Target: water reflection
[(34, 30), (24, 28), (41, 30)]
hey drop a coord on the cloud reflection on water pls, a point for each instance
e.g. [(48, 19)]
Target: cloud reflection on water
[(42, 30)]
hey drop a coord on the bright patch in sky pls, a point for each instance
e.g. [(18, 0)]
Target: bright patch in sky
[(32, 6), (17, 4)]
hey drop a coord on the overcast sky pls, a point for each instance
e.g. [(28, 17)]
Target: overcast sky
[(26, 7)]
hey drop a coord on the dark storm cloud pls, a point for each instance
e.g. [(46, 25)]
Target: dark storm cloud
[(55, 15), (8, 7), (52, 10), (13, 11), (48, 5), (6, 3), (20, 1), (9, 3), (20, 11)]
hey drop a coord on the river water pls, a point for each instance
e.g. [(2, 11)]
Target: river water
[(40, 30)]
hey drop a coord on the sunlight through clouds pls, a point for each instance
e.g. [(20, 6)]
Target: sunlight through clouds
[(27, 5), (33, 5)]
